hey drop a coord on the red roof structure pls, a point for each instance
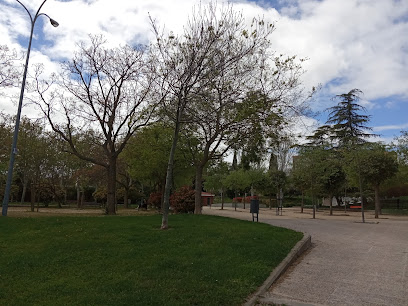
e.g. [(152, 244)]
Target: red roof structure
[(207, 198)]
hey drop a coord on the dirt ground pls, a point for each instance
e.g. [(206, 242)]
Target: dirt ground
[(22, 212), (288, 213)]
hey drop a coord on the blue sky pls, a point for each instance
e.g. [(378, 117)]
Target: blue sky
[(349, 43)]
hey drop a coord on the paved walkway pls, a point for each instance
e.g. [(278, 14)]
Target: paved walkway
[(350, 263)]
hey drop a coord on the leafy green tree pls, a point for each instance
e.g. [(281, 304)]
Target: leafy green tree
[(215, 179), (125, 180), (147, 153), (31, 157), (377, 164), (318, 170), (230, 117), (255, 179), (305, 173), (274, 183), (401, 148), (333, 176), (347, 128), (5, 139), (237, 181)]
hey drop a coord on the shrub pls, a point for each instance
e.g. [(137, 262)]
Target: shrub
[(100, 194), (155, 200), (247, 199), (182, 201)]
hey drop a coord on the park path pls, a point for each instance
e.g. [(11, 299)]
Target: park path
[(350, 263)]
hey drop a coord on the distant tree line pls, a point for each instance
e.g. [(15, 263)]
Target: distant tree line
[(127, 122)]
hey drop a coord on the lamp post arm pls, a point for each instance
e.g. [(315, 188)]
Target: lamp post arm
[(28, 12)]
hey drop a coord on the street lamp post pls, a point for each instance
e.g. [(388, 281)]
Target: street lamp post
[(20, 104)]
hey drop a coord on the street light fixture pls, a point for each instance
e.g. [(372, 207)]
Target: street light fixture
[(20, 104)]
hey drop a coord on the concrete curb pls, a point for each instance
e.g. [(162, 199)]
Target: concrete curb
[(297, 250)]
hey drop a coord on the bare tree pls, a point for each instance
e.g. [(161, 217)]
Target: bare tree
[(103, 93), (215, 45), (9, 71)]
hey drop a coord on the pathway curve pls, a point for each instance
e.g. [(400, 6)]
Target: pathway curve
[(350, 263)]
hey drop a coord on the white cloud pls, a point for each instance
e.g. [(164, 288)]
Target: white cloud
[(390, 104), (360, 42), (350, 43), (368, 104), (397, 127)]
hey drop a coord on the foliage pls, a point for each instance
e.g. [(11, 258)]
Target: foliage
[(32, 160), (318, 171), (182, 200), (155, 200), (237, 181), (305, 173), (401, 145), (255, 178), (147, 156), (375, 163), (5, 139), (127, 261), (273, 181), (100, 194), (215, 178), (349, 127)]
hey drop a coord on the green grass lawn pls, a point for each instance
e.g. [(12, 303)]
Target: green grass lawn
[(201, 260)]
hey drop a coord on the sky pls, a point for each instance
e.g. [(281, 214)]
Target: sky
[(348, 43)]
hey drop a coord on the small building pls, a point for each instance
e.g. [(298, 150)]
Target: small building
[(207, 199)]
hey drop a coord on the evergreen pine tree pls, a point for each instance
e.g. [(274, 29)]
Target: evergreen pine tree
[(349, 126)]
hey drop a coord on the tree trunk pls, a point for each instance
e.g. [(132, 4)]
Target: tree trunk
[(361, 195), (281, 198), (377, 200), (331, 204), (198, 186), (82, 201), (235, 204), (24, 191), (32, 196), (303, 202), (78, 190), (64, 200), (169, 178), (111, 191), (222, 199), (125, 198)]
